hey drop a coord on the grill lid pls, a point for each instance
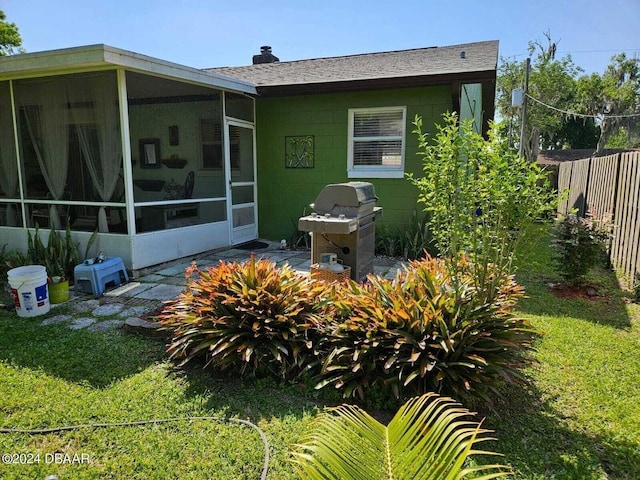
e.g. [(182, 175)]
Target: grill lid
[(351, 198)]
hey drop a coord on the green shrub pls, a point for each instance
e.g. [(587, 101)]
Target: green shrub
[(248, 317), (578, 244), (410, 241), (479, 194), (427, 330)]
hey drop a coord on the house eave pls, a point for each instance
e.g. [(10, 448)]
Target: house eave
[(101, 57), (446, 79)]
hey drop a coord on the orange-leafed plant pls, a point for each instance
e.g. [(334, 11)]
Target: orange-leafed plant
[(249, 317), (427, 331)]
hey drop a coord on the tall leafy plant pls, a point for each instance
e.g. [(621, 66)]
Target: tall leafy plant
[(479, 194), (430, 437), (60, 254)]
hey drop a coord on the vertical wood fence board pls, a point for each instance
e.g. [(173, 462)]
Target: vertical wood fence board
[(602, 186), (624, 187), (564, 182), (629, 214), (621, 214), (578, 188), (626, 206), (635, 220)]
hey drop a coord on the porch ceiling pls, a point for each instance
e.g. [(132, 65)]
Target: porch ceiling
[(99, 57)]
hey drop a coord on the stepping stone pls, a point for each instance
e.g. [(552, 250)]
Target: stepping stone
[(106, 325), (140, 288), (80, 323), (202, 264), (144, 327), (56, 319), (86, 305), (108, 310), (179, 280), (171, 271), (233, 254), (295, 261), (133, 311), (151, 278), (161, 292)]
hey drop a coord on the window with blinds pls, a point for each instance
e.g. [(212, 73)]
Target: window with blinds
[(376, 142)]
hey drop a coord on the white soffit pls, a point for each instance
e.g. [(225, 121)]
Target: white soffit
[(100, 57)]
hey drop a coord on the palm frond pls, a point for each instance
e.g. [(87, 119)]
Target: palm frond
[(430, 437)]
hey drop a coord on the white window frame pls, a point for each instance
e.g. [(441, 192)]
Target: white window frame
[(376, 171)]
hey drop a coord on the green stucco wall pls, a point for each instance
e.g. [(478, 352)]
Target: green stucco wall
[(285, 193)]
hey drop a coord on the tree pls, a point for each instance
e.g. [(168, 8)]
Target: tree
[(614, 97), (552, 82), (607, 105), (10, 40)]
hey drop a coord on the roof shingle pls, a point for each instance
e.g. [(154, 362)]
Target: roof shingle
[(477, 57)]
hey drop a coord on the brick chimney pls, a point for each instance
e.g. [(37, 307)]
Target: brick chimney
[(265, 56)]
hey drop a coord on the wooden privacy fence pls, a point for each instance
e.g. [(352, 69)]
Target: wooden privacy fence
[(608, 187)]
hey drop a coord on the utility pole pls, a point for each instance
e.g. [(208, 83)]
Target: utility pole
[(527, 72)]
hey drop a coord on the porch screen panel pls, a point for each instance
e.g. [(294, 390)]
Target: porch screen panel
[(183, 123), (186, 122), (9, 212), (93, 104), (44, 127), (239, 106), (8, 165)]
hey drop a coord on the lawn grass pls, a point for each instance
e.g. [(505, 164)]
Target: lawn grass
[(579, 418), (51, 376)]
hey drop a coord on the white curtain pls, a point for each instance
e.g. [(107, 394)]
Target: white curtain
[(8, 165), (96, 117), (45, 107)]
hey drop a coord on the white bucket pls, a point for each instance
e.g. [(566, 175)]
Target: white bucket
[(29, 289)]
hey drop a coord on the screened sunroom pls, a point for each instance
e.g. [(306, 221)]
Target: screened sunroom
[(157, 157)]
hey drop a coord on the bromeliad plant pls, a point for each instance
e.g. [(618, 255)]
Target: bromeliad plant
[(427, 330), (429, 438), (247, 317)]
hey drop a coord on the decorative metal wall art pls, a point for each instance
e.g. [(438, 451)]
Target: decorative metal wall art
[(299, 152)]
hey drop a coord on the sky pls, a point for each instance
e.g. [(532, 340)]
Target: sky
[(217, 33)]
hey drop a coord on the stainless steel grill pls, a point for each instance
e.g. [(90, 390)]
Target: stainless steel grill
[(343, 223)]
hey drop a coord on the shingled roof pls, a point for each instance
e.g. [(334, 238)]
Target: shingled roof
[(421, 66)]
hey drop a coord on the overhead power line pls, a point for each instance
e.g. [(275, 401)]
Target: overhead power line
[(581, 115), (619, 50)]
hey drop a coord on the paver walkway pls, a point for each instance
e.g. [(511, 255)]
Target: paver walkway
[(153, 286)]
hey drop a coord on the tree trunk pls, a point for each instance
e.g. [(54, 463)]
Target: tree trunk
[(606, 129)]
